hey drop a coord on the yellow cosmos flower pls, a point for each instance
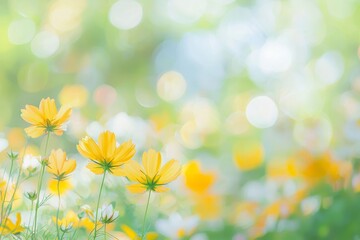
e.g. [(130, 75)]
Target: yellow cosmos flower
[(60, 167), (45, 119), (249, 158), (150, 176), (11, 227), (105, 156), (196, 180)]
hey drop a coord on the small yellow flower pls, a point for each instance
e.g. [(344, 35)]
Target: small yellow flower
[(45, 119), (105, 156), (60, 168), (196, 180), (71, 220), (150, 176), (132, 235), (12, 228)]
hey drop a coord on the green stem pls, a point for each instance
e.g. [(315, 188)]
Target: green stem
[(105, 231), (31, 209), (97, 205), (6, 189), (40, 184), (62, 235), (9, 206), (58, 210), (146, 210)]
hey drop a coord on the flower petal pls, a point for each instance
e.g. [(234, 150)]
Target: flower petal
[(95, 168), (124, 152), (169, 172), (48, 108), (161, 189), (151, 161), (134, 172), (32, 115), (35, 131), (136, 188), (89, 149), (107, 144)]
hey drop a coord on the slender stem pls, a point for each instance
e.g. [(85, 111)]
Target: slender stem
[(31, 209), (40, 184), (146, 210), (9, 206), (7, 188), (98, 202), (62, 235), (105, 231), (58, 210)]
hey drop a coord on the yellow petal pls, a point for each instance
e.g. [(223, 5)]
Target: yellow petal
[(89, 149), (151, 162), (107, 144), (62, 116), (124, 152), (95, 168), (64, 186), (69, 166), (48, 108), (152, 236), (35, 131), (118, 171), (134, 171), (161, 189), (129, 231), (169, 172), (136, 188), (32, 115)]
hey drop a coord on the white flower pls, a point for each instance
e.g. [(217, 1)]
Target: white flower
[(108, 214), (31, 162), (176, 227)]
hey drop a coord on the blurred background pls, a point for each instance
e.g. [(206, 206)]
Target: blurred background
[(258, 99)]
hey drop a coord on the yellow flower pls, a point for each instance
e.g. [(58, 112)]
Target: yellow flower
[(12, 228), (196, 180), (60, 168), (250, 158), (71, 220), (132, 235), (45, 119), (105, 156), (150, 176)]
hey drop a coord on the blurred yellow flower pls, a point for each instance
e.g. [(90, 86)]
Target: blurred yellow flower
[(132, 235), (196, 180), (105, 156), (60, 168), (71, 220), (322, 167), (16, 139), (207, 206), (250, 158), (150, 176), (10, 227), (45, 119), (73, 95)]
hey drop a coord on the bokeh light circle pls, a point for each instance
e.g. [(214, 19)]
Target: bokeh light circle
[(73, 95), (262, 112), (21, 31), (45, 44), (171, 86), (125, 14)]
